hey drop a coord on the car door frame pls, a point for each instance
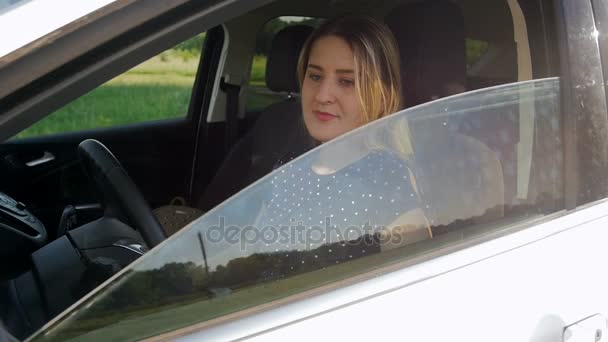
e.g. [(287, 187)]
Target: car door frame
[(583, 104)]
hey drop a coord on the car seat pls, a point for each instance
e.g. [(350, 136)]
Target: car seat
[(278, 129), (460, 178)]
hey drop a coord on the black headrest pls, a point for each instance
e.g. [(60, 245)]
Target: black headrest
[(431, 40), (283, 58)]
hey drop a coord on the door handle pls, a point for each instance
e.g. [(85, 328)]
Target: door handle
[(47, 157), (591, 329)]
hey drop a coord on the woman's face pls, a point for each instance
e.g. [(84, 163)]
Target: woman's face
[(329, 101)]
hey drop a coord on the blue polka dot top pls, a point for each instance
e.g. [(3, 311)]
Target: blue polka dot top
[(370, 193)]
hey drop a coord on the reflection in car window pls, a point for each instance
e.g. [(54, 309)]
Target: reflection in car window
[(403, 186), (7, 3)]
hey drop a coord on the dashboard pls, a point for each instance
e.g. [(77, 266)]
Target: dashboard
[(20, 231)]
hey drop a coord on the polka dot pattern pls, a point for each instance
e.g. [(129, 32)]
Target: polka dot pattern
[(370, 193)]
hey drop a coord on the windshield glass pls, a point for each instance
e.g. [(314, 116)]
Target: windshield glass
[(403, 186), (28, 20)]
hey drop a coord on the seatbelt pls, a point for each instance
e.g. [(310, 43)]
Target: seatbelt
[(232, 91)]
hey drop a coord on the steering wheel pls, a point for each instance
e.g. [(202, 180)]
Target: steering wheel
[(120, 195)]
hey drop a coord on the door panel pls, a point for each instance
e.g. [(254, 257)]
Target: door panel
[(528, 286), (157, 155)]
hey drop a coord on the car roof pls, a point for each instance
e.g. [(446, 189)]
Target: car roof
[(29, 20)]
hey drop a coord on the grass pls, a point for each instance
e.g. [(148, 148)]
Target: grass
[(113, 105), (258, 71), (157, 89)]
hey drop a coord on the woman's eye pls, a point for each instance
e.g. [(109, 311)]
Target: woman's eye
[(314, 77), (347, 82)]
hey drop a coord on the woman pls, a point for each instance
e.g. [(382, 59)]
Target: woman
[(349, 75)]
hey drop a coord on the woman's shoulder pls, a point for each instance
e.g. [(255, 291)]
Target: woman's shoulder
[(381, 160), (382, 168), (387, 176)]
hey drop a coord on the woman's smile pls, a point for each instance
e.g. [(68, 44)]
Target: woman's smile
[(324, 116)]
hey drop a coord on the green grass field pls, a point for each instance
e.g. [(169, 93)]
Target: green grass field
[(157, 89)]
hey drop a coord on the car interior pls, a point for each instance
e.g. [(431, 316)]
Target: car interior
[(70, 223)]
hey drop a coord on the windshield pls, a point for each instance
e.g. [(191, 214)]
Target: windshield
[(405, 185), (28, 20)]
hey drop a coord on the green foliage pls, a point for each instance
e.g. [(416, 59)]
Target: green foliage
[(475, 50), (193, 45), (173, 280), (258, 71), (115, 105), (264, 38)]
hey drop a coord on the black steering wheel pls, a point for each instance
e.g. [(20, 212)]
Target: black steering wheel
[(121, 197)]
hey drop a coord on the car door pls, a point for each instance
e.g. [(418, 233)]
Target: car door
[(298, 250), (526, 267), (543, 282), (511, 274)]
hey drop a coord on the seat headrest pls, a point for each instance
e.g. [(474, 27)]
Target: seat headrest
[(431, 38), (283, 58)]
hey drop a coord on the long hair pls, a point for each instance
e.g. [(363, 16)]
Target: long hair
[(376, 60), (377, 70)]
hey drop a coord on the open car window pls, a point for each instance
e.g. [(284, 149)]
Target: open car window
[(158, 89), (407, 185)]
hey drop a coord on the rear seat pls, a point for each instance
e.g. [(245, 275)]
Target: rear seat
[(431, 41)]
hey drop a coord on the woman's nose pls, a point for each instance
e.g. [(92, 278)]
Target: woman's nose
[(325, 93)]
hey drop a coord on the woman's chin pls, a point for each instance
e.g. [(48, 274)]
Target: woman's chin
[(322, 136), (323, 131)]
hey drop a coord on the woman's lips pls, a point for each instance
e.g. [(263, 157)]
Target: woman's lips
[(324, 116)]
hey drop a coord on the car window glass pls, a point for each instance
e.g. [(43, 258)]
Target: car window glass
[(159, 88), (258, 94), (6, 3), (401, 187)]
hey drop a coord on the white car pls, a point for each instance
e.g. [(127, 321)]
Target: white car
[(502, 146)]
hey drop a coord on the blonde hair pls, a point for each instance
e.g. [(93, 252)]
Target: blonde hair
[(376, 59), (377, 70)]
